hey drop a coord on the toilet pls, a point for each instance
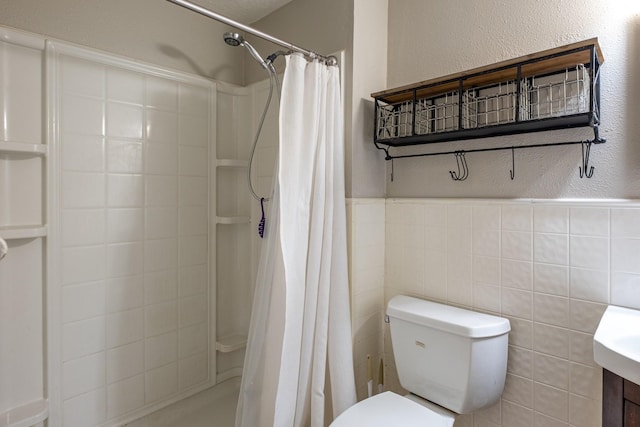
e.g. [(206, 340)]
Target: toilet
[(452, 361)]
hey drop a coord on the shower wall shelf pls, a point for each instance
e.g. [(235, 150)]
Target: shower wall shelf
[(231, 343), (553, 89), (23, 232), (231, 220), (232, 163), (22, 147)]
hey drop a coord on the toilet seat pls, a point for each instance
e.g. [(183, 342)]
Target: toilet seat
[(389, 409)]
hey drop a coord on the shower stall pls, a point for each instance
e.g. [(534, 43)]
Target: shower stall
[(132, 235)]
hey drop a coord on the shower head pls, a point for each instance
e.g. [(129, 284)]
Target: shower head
[(235, 39)]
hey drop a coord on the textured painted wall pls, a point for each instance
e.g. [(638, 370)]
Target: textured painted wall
[(153, 31), (435, 38)]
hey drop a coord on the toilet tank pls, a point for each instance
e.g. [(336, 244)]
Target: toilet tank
[(450, 356)]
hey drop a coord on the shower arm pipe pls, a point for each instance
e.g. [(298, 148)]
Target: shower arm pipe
[(329, 60)]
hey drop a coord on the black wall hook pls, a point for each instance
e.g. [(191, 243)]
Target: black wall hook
[(586, 150), (512, 172), (463, 168)]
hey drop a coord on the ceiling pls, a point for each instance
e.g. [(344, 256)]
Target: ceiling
[(243, 11)]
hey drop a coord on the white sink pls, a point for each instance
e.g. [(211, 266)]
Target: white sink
[(616, 343)]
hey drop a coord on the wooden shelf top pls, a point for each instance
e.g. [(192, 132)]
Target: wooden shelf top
[(542, 62)]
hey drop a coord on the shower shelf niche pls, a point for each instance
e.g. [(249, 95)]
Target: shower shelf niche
[(553, 89), (232, 163), (23, 232), (231, 343), (22, 147)]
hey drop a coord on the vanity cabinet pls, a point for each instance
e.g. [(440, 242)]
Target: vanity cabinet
[(620, 401)]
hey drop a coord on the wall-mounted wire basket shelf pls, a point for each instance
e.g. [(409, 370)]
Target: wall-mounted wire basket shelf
[(553, 89)]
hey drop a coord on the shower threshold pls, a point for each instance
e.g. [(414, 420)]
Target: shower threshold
[(214, 407)]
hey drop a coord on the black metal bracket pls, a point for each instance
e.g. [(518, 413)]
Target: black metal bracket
[(463, 170)]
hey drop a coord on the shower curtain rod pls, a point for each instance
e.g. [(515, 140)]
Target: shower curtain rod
[(329, 60)]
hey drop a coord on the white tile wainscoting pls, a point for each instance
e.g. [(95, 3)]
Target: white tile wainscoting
[(549, 266)]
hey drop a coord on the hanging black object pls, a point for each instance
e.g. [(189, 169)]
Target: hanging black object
[(262, 219)]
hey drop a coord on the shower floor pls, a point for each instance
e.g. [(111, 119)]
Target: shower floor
[(215, 407)]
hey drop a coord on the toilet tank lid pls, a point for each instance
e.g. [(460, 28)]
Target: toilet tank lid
[(446, 318)]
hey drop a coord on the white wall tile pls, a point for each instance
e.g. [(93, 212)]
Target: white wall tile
[(192, 340), (625, 223), (125, 396), (87, 409), (550, 219), (516, 245), (586, 380), (125, 86), (124, 327), (83, 115), (125, 225), (552, 371), (193, 99), (125, 361), (192, 371), (193, 310), (161, 93), (517, 218), (161, 382), (160, 318), (486, 242), (517, 274), (581, 347), (83, 153), (551, 401), (161, 222), (584, 412), (458, 216), (83, 301), (161, 159), (521, 333), (83, 77), (83, 375), (124, 293), (486, 217), (193, 220), (551, 279), (551, 248), (162, 127), (194, 161), (83, 264), (516, 416), (590, 285), (193, 250), (160, 254), (486, 297), (82, 190), (193, 191), (585, 315), (551, 340), (83, 227), (625, 289), (124, 120), (193, 280), (625, 255), (162, 190), (520, 361), (83, 338), (195, 131), (589, 252), (486, 270), (160, 286), (124, 259), (589, 221), (124, 156), (161, 350), (518, 390), (517, 303), (551, 309), (125, 191)]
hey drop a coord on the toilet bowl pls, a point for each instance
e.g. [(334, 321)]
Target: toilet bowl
[(389, 409), (452, 360)]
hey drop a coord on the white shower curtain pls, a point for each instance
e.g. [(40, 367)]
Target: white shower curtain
[(299, 344)]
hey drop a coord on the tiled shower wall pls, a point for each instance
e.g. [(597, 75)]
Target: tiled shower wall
[(134, 281), (550, 267)]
